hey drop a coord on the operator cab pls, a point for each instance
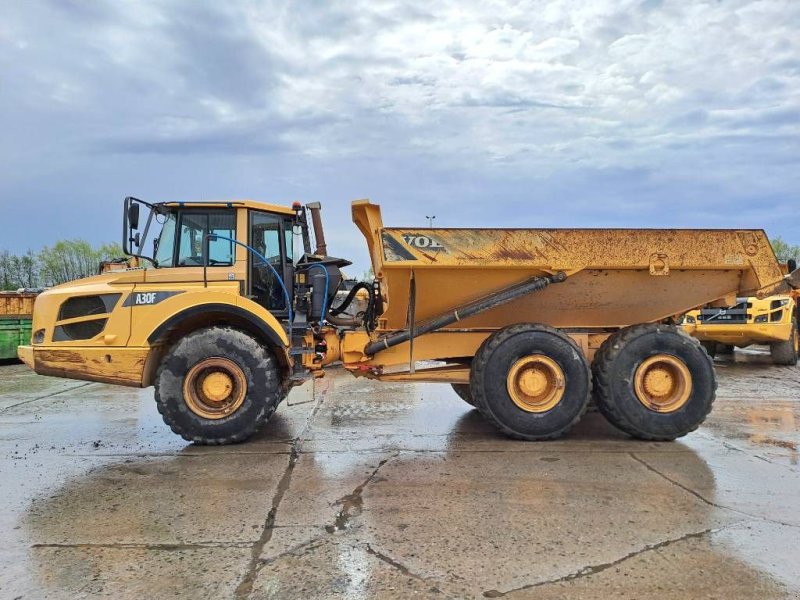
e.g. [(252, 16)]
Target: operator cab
[(204, 237)]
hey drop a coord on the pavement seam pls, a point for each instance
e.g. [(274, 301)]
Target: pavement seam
[(307, 545), (245, 587), (594, 569), (352, 503), (46, 396), (132, 545), (404, 570), (348, 500), (706, 500)]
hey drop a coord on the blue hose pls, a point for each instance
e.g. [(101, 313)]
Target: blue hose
[(214, 236)]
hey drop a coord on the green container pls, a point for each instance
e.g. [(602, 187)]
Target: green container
[(13, 332)]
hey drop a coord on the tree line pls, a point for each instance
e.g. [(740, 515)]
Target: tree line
[(785, 251), (65, 261)]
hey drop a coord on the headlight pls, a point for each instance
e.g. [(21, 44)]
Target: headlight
[(690, 319), (762, 319), (778, 303)]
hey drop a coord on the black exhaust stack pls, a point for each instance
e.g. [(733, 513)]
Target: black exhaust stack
[(319, 234)]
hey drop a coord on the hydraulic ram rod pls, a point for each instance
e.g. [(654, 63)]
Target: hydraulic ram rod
[(503, 296)]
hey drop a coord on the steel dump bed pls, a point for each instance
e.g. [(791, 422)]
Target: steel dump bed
[(615, 277)]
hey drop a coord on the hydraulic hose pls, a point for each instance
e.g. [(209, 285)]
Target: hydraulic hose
[(335, 312)]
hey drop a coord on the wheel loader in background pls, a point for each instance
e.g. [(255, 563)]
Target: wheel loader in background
[(231, 309)]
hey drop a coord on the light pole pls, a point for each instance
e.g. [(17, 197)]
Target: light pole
[(430, 220)]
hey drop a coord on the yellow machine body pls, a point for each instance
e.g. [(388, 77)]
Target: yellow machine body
[(765, 321), (614, 278), (136, 332)]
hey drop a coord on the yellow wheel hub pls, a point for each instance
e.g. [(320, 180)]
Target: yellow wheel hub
[(535, 383), (217, 386), (214, 388), (663, 383)]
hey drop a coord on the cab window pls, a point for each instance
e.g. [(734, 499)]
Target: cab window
[(192, 231)]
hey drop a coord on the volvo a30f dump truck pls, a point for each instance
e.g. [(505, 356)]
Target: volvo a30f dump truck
[(771, 321), (230, 308)]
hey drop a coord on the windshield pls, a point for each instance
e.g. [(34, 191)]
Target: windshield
[(149, 232), (164, 244), (179, 236)]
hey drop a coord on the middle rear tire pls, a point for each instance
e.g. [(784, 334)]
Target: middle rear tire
[(530, 381)]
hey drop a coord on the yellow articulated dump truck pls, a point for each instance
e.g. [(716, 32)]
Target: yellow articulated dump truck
[(771, 321), (226, 307)]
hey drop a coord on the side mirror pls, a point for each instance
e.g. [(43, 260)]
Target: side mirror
[(791, 265), (133, 216)]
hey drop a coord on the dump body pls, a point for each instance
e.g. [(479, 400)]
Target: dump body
[(615, 277), (16, 310)]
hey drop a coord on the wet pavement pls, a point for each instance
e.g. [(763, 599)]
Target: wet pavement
[(358, 489)]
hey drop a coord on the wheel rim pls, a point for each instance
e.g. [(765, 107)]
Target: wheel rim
[(535, 383), (663, 383), (214, 388)]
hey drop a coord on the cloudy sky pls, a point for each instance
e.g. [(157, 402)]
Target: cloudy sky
[(531, 113)]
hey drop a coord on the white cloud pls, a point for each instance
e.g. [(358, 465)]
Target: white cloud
[(698, 97)]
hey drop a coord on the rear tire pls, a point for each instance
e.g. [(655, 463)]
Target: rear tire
[(462, 389), (654, 382), (530, 381), (217, 386), (785, 353)]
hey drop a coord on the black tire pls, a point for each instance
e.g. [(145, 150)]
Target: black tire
[(712, 348), (614, 370), (493, 363), (462, 389), (785, 353), (258, 366)]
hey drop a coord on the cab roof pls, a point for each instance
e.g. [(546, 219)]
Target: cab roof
[(254, 204)]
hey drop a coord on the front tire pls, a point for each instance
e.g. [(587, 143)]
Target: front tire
[(530, 381), (712, 348), (217, 386), (785, 353), (654, 382), (462, 389)]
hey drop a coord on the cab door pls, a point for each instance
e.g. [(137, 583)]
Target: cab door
[(271, 236)]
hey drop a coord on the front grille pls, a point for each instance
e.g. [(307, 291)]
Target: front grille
[(77, 307), (723, 316), (83, 306), (83, 330)]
